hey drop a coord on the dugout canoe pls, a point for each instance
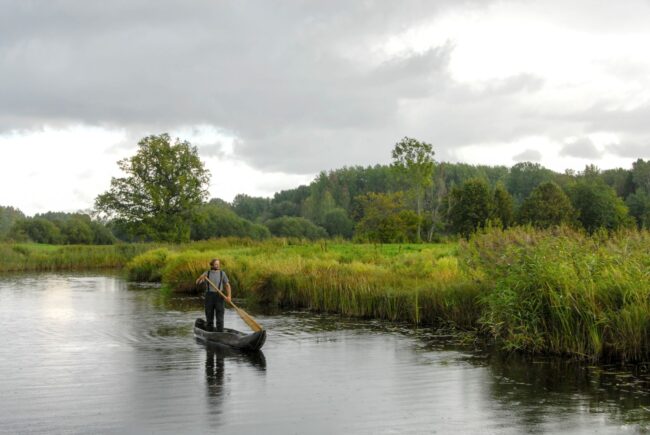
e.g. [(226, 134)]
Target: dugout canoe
[(230, 337)]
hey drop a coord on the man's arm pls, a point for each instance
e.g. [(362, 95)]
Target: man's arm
[(201, 278), (228, 292)]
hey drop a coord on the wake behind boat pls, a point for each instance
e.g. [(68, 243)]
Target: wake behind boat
[(230, 337)]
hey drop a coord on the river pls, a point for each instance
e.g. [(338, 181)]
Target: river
[(91, 353)]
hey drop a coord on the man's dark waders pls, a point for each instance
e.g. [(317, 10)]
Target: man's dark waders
[(214, 303)]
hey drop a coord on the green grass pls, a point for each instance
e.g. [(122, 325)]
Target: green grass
[(422, 284), (32, 256)]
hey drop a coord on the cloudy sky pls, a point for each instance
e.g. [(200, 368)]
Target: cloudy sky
[(274, 92)]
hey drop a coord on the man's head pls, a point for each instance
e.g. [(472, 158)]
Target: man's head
[(215, 264)]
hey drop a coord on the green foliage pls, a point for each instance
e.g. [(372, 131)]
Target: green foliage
[(641, 175), (295, 227), (164, 184), (182, 270), (502, 206), (39, 230), (639, 206), (414, 161), (213, 220), (524, 177), (469, 206), (61, 228), (413, 283), (598, 206), (619, 179), (8, 216), (148, 267), (547, 206), (455, 174), (24, 257), (386, 219), (250, 207), (283, 208), (561, 291), (337, 223)]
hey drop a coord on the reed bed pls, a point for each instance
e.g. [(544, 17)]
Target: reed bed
[(565, 292), (421, 284), (31, 256)]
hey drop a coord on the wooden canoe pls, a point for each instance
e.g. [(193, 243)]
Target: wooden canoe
[(230, 337)]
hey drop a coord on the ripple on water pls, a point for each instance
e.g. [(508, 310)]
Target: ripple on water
[(92, 353)]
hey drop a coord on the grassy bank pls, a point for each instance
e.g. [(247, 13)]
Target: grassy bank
[(32, 256), (422, 284), (554, 292)]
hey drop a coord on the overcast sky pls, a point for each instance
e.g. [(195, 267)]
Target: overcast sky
[(274, 92)]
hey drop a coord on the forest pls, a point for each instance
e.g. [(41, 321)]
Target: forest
[(413, 199)]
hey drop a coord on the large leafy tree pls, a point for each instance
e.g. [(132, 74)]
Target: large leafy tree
[(598, 206), (547, 206), (337, 223), (385, 218), (250, 207), (8, 215), (164, 184), (414, 159), (502, 206), (524, 177), (469, 206)]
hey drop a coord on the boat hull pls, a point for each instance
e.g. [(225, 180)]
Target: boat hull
[(230, 337)]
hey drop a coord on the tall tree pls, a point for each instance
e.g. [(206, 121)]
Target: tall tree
[(502, 206), (250, 207), (641, 175), (547, 206), (414, 159), (165, 182), (524, 177), (8, 215), (639, 205), (386, 219), (469, 206), (598, 206)]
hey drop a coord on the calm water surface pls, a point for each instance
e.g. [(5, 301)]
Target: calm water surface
[(88, 353)]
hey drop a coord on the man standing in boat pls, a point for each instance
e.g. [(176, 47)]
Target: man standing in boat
[(214, 302)]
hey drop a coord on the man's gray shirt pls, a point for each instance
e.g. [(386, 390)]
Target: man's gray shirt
[(218, 278)]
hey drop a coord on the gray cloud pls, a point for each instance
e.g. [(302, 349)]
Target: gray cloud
[(630, 150), (293, 80), (582, 148), (528, 156)]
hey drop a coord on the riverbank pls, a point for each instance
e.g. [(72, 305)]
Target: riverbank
[(536, 291), (15, 257), (556, 291)]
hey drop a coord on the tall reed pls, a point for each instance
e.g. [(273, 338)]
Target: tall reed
[(565, 292)]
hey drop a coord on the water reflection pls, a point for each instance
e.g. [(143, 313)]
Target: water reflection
[(129, 356), (215, 356), (537, 390)]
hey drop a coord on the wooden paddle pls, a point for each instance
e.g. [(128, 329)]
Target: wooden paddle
[(243, 314)]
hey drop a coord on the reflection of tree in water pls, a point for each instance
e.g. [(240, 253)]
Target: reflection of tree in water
[(537, 390)]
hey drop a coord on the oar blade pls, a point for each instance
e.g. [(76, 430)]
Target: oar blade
[(249, 320)]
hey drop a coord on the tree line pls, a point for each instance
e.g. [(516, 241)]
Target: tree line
[(163, 196)]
